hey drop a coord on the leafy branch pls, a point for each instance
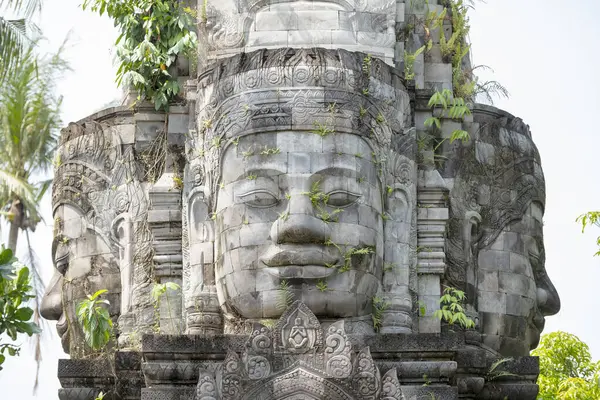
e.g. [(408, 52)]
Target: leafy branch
[(15, 291), (452, 310), (590, 218), (153, 35), (92, 314)]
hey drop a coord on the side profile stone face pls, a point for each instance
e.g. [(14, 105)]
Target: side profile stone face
[(310, 217), (496, 238)]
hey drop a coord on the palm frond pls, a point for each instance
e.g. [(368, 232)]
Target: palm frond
[(26, 8), (16, 35), (11, 184), (489, 89)]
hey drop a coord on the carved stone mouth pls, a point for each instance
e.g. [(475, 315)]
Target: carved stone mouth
[(308, 261), (300, 271)]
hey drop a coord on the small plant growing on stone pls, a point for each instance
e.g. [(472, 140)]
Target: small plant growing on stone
[(267, 151), (366, 64), (365, 91), (216, 142), (285, 296), (496, 372), (252, 177), (95, 320), (380, 119), (100, 396), (379, 305), (452, 310), (177, 182), (247, 153), (322, 129), (362, 251), (455, 108), (236, 141), (409, 63), (358, 155), (322, 285), (326, 216), (362, 112), (422, 307)]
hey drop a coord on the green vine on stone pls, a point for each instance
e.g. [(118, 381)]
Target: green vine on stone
[(153, 35)]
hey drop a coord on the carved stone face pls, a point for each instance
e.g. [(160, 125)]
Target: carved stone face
[(297, 209), (514, 291), (83, 265)]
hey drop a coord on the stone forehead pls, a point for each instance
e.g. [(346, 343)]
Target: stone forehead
[(300, 89)]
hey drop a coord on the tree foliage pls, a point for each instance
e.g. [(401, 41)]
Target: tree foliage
[(590, 218), (15, 291), (567, 371), (153, 34)]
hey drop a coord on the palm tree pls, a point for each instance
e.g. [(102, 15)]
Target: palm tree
[(17, 31), (29, 123)]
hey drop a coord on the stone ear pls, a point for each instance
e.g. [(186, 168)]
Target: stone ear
[(201, 227), (398, 204), (470, 232)]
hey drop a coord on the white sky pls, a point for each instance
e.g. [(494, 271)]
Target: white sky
[(543, 51)]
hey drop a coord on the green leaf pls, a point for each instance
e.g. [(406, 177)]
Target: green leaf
[(24, 314)]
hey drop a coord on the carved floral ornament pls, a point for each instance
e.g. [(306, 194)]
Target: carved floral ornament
[(294, 360)]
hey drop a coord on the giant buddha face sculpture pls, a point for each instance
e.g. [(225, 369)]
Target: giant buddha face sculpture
[(303, 209), (304, 171)]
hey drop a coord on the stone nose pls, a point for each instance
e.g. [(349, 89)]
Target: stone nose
[(299, 223), (547, 297), (51, 307)]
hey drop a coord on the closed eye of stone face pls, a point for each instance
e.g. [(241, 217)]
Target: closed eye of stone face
[(259, 198), (341, 198)]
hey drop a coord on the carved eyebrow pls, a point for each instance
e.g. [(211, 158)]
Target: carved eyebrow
[(262, 172), (340, 171)]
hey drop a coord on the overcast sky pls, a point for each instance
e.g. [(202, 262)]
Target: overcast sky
[(544, 51)]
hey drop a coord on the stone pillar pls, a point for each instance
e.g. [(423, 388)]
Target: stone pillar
[(432, 217), (164, 220)]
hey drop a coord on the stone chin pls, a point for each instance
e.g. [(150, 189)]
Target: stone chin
[(62, 328)]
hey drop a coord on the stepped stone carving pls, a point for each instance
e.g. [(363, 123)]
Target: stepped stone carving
[(290, 192)]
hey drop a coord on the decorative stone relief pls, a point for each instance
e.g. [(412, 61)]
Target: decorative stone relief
[(334, 371)]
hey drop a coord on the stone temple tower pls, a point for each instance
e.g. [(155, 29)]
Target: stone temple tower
[(325, 179)]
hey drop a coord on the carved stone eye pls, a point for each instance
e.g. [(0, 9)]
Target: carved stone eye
[(259, 199), (341, 198)]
